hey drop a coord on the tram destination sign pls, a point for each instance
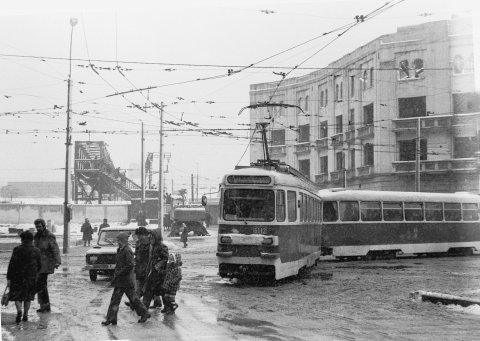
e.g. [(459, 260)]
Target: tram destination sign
[(249, 179)]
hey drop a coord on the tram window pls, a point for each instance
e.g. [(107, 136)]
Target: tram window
[(302, 206), (470, 212), (433, 211), (292, 205), (330, 211), (280, 205), (414, 211), (349, 211), (370, 210), (453, 211), (249, 204), (392, 211)]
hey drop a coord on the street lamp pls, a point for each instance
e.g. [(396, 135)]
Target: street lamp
[(68, 143)]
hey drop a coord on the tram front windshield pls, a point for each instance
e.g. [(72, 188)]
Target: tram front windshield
[(249, 204)]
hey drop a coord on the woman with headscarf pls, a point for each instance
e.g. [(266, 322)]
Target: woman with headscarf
[(157, 267), (22, 274)]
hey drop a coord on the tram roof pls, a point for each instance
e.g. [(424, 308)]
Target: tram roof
[(279, 177), (366, 195)]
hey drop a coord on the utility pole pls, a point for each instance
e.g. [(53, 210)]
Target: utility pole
[(160, 171), (417, 158), (68, 143), (142, 162), (192, 187), (197, 182)]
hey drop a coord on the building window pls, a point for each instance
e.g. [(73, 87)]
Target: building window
[(306, 104), (326, 97), (412, 107), (466, 102), (352, 86), (323, 129), (364, 79), (351, 120), (322, 104), (304, 133), (368, 154), (324, 164), (278, 137), (371, 76), (404, 71), (339, 124), (368, 114), (465, 147), (408, 150), (458, 64), (299, 103), (418, 66), (352, 159), (340, 161), (337, 89), (341, 91), (304, 167)]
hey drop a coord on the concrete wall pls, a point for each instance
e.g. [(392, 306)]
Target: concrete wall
[(11, 213)]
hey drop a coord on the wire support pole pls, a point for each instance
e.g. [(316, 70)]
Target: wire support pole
[(160, 171), (68, 143)]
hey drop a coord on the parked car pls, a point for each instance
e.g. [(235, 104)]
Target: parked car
[(101, 259)]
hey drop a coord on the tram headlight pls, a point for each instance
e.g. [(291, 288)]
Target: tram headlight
[(267, 241), (225, 239)]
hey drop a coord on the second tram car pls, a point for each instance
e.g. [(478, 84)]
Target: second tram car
[(371, 224), (269, 224)]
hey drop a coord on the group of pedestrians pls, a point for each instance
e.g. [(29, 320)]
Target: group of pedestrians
[(157, 274), (30, 264), (87, 230)]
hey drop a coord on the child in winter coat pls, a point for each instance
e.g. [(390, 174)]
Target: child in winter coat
[(172, 283)]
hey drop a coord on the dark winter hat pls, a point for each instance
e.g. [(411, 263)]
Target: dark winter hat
[(122, 236), (141, 231), (40, 221), (26, 236)]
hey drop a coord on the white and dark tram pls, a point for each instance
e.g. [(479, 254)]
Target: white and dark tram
[(269, 224), (377, 224)]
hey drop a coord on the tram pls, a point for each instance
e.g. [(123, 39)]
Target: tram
[(269, 224), (378, 224)]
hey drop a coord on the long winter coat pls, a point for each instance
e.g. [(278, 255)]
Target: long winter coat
[(23, 271), (87, 231), (49, 251), (158, 264), (124, 276), (172, 279)]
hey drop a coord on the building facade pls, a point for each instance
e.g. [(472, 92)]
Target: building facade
[(399, 113)]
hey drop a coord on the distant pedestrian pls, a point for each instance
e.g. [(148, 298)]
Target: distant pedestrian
[(184, 235), (157, 268), (87, 231), (22, 274), (141, 219), (172, 283), (50, 259), (103, 225), (123, 283)]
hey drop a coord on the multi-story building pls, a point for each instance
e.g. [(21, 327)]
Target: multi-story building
[(363, 114)]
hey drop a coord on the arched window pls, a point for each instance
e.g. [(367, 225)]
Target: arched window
[(418, 66), (371, 76)]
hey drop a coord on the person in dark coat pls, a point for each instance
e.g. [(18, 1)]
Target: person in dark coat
[(22, 274), (103, 225), (50, 258), (184, 235), (141, 219), (87, 231), (123, 283), (156, 268)]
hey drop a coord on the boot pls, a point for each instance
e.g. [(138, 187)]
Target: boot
[(144, 318), (25, 317), (157, 303), (44, 308), (19, 316)]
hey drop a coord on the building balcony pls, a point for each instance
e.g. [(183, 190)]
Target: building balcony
[(426, 122), (337, 176), (337, 140), (350, 135), (365, 170), (322, 143), (277, 150), (437, 166), (302, 148), (321, 178), (365, 131), (351, 173)]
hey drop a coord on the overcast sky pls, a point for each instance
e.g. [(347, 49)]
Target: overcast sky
[(183, 50)]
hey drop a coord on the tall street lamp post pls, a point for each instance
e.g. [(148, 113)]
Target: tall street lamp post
[(68, 143)]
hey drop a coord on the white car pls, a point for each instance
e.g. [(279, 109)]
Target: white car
[(101, 259)]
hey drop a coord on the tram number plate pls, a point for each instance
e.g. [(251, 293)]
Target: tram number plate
[(260, 230)]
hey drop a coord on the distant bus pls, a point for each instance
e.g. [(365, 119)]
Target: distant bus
[(372, 224)]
